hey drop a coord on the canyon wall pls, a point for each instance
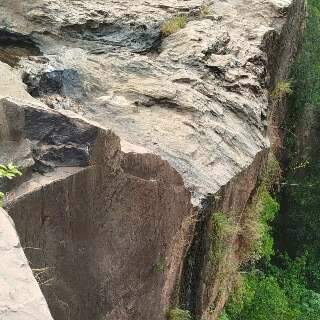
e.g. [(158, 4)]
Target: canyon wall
[(129, 139)]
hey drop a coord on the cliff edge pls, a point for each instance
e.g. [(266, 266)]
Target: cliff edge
[(125, 126)]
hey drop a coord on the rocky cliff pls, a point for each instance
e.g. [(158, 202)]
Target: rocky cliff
[(125, 133)]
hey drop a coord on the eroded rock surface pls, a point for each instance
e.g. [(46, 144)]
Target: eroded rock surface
[(198, 99)]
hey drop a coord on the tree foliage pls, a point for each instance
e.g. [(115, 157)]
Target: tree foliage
[(299, 224), (277, 292)]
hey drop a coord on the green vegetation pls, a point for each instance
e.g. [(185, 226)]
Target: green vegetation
[(8, 171), (223, 231), (179, 314), (278, 292), (250, 228), (256, 233), (282, 89), (160, 265), (174, 25), (272, 174), (204, 11), (300, 222), (260, 298), (267, 209), (284, 283)]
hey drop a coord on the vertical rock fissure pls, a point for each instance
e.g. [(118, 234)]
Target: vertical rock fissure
[(194, 261)]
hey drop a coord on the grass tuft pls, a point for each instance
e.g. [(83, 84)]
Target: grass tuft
[(179, 314), (174, 25), (282, 89), (160, 265), (205, 10), (223, 231)]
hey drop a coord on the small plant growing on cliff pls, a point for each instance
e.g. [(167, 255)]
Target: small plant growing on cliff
[(267, 208), (204, 11), (256, 237), (282, 89), (272, 174), (223, 230), (179, 314), (8, 171), (173, 25), (160, 265)]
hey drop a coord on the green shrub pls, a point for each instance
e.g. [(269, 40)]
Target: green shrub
[(160, 265), (9, 172), (269, 301), (268, 208), (173, 25), (224, 316), (256, 232), (179, 314), (272, 173), (260, 298), (282, 89), (275, 293), (223, 229)]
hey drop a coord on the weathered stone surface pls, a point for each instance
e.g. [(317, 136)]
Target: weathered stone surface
[(11, 85), (199, 100), (15, 45), (59, 82), (20, 295)]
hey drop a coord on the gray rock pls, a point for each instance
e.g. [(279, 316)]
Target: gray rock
[(66, 83), (47, 139), (20, 295), (199, 101)]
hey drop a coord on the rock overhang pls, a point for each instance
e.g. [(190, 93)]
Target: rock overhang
[(200, 101)]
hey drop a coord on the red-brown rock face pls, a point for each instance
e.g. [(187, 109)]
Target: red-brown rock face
[(111, 233)]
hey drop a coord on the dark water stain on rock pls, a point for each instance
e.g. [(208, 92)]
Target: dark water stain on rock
[(14, 46), (194, 261), (65, 82), (136, 38)]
